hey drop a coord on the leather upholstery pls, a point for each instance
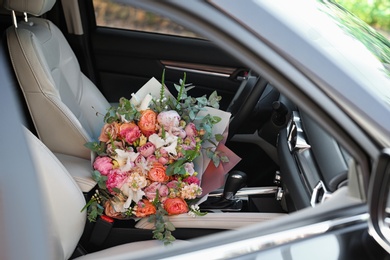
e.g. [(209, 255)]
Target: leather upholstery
[(64, 201), (34, 7), (62, 196), (231, 220), (63, 102), (65, 106)]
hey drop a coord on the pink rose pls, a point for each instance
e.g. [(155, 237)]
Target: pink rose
[(191, 130), (115, 179), (168, 119), (130, 132), (192, 179), (147, 149), (103, 165), (109, 130), (151, 190), (163, 191)]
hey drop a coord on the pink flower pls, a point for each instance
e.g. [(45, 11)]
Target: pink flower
[(163, 160), (151, 159), (191, 130), (168, 119), (109, 131), (117, 145), (189, 143), (115, 179), (189, 167), (130, 132), (192, 180), (172, 184), (151, 190), (147, 149), (103, 165), (177, 131), (163, 191)]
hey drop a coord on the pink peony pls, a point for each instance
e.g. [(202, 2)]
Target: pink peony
[(191, 130), (147, 149), (115, 179), (103, 165), (168, 119)]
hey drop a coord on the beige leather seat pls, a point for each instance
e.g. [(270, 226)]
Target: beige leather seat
[(62, 101), (63, 200)]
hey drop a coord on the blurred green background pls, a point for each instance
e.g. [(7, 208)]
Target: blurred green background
[(374, 12)]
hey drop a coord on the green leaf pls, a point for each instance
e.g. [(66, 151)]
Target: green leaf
[(169, 226), (216, 160), (97, 147), (224, 158), (218, 137)]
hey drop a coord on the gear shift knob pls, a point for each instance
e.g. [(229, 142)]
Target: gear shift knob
[(235, 181)]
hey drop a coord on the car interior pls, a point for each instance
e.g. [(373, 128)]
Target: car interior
[(64, 80)]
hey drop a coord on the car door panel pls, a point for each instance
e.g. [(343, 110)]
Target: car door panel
[(125, 60)]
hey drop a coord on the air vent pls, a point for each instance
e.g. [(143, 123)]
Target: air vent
[(295, 137)]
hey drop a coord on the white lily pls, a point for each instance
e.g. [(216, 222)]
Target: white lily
[(132, 195), (169, 144), (125, 159)]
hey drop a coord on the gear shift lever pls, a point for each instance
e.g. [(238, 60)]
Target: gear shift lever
[(234, 181)]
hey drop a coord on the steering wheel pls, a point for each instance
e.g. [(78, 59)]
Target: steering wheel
[(244, 101)]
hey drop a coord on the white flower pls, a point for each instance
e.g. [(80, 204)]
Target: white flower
[(169, 144), (141, 104), (125, 159), (132, 195), (145, 102)]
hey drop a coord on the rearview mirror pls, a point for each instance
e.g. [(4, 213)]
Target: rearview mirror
[(379, 201)]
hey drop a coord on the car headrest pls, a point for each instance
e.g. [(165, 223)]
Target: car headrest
[(32, 7)]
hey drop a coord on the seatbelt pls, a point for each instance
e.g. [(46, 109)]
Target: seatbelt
[(72, 16)]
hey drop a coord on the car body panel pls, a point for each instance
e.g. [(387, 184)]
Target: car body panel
[(256, 37)]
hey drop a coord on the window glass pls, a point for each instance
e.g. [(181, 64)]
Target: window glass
[(116, 15)]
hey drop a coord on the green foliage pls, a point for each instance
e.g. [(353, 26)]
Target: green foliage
[(163, 227), (374, 12)]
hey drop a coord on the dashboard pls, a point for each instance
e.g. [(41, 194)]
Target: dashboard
[(312, 164)]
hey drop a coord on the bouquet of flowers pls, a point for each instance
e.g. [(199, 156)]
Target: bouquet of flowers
[(150, 156)]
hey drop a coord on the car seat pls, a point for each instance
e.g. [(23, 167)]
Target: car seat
[(62, 101)]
